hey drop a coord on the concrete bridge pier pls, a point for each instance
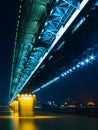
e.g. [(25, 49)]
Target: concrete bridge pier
[(26, 105), (14, 106)]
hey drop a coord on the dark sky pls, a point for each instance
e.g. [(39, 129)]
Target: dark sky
[(81, 85)]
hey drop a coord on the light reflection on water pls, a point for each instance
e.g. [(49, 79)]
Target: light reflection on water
[(32, 123), (68, 122), (24, 124), (27, 124), (8, 121)]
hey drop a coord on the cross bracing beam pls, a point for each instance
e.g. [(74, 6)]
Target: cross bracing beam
[(39, 53), (59, 16)]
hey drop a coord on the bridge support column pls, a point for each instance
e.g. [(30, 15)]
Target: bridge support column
[(14, 106), (26, 105)]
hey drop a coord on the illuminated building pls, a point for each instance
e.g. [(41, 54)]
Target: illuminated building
[(90, 103)]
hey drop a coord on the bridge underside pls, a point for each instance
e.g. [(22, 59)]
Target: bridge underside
[(43, 27)]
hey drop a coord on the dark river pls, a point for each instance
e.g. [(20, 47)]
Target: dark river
[(45, 121)]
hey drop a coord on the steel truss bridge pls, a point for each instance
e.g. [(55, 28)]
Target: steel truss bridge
[(43, 25)]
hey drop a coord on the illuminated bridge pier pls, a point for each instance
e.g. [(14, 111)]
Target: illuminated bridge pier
[(24, 105)]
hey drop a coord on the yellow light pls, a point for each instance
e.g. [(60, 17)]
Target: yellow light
[(30, 95), (22, 95), (18, 95), (71, 106), (27, 125), (90, 104), (26, 105)]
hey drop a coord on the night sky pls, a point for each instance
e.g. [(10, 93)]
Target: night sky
[(80, 86)]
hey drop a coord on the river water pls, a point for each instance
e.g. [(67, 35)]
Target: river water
[(45, 121)]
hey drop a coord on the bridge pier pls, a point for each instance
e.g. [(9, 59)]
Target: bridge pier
[(14, 106), (24, 106)]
